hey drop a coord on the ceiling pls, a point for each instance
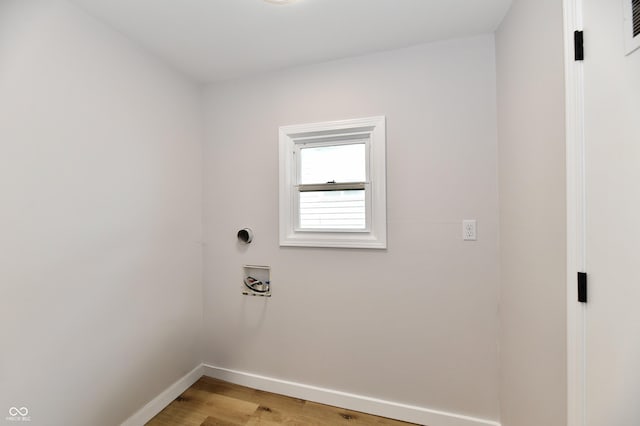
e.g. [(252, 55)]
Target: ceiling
[(213, 40)]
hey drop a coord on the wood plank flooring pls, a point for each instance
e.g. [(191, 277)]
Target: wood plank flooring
[(211, 402)]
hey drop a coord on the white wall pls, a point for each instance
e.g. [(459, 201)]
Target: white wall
[(100, 219), (416, 323), (530, 76)]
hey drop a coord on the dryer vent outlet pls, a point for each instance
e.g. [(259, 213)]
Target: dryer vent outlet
[(245, 235)]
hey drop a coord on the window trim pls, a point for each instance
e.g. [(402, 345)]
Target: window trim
[(373, 131)]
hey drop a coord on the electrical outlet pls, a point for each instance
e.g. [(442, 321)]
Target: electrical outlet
[(469, 231)]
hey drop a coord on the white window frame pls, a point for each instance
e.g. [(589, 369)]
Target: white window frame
[(371, 130)]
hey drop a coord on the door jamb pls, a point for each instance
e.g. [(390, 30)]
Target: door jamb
[(576, 217)]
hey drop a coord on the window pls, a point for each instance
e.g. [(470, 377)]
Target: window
[(332, 184), (632, 25)]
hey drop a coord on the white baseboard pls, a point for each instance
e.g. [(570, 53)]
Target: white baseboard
[(378, 407), (158, 403)]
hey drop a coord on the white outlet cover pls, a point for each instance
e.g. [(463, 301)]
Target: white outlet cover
[(469, 230)]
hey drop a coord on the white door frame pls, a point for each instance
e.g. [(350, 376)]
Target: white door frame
[(576, 217)]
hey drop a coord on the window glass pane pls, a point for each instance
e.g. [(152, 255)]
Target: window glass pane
[(339, 163), (332, 210)]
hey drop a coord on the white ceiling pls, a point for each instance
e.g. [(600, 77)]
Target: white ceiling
[(214, 40)]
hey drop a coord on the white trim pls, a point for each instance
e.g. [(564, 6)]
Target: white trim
[(365, 404), (374, 128), (161, 401), (576, 219)]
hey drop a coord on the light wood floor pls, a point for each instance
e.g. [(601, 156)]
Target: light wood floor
[(211, 402)]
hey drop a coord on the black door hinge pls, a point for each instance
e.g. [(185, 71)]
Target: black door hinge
[(582, 287), (578, 45)]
